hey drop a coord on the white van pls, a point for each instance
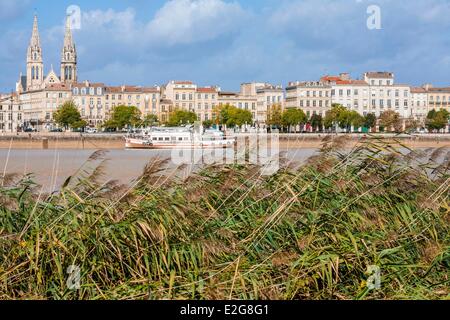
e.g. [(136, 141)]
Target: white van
[(91, 130)]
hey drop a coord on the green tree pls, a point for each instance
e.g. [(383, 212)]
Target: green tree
[(181, 117), (391, 121), (241, 117), (274, 116), (68, 115), (370, 120), (411, 124), (437, 120), (79, 124), (232, 116), (208, 124), (123, 116), (150, 120), (316, 122), (356, 120), (293, 117), (337, 116)]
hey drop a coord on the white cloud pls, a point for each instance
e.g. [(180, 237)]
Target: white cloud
[(191, 21), (11, 8)]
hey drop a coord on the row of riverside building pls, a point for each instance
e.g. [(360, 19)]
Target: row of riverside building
[(37, 96)]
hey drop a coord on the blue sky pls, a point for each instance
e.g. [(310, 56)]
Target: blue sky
[(226, 42)]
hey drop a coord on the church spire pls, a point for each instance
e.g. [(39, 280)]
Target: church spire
[(68, 56), (68, 41), (35, 40), (35, 65)]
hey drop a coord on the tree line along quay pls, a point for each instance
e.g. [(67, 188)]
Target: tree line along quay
[(337, 119)]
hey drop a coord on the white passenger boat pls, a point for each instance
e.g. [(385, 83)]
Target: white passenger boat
[(181, 137)]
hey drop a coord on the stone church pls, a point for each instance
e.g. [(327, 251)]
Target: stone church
[(34, 78)]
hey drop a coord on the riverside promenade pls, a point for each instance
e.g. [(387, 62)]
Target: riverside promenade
[(114, 141)]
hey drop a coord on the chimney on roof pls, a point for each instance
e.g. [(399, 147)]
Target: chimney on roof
[(427, 86)]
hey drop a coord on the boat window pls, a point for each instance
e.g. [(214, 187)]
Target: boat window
[(174, 138), (160, 139), (186, 139), (155, 138), (167, 139), (180, 139)]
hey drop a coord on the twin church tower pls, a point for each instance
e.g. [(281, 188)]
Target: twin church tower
[(35, 79)]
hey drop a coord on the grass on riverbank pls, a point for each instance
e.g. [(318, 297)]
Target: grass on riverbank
[(308, 232)]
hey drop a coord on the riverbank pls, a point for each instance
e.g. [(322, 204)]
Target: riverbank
[(79, 141), (307, 233)]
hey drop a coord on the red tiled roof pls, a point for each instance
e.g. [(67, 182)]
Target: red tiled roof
[(150, 90), (207, 90), (379, 75), (439, 90), (57, 87), (114, 89), (91, 85), (418, 90), (227, 93), (131, 89), (183, 82)]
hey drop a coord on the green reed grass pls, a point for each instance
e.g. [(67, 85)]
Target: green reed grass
[(307, 232)]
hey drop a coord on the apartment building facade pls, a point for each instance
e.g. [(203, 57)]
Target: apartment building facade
[(11, 114), (438, 98), (313, 97)]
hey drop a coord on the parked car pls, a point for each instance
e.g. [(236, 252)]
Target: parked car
[(91, 130), (56, 130), (29, 130)]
